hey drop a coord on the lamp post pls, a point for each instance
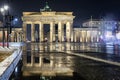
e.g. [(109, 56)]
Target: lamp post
[(3, 11)]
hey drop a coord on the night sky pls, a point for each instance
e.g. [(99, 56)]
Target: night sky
[(82, 9)]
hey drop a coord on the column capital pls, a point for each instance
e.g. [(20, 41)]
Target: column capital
[(40, 23), (24, 23), (27, 22)]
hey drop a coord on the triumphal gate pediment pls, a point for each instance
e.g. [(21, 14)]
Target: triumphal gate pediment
[(47, 16)]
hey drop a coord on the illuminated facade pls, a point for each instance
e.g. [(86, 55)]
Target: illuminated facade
[(92, 30), (52, 18), (15, 36), (86, 35)]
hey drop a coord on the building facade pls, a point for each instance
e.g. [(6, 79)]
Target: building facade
[(15, 36), (86, 35), (52, 18)]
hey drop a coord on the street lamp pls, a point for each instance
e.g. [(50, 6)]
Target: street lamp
[(6, 7), (3, 11)]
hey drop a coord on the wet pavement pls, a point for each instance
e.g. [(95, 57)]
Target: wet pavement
[(105, 52), (50, 62)]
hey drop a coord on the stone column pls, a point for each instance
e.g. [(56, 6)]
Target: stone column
[(75, 40), (32, 32), (68, 31), (83, 36), (91, 36), (41, 33), (77, 36), (18, 36), (86, 39), (40, 61), (88, 36), (52, 32), (24, 31), (24, 35), (72, 33), (97, 35), (80, 36), (71, 28), (60, 31), (32, 47)]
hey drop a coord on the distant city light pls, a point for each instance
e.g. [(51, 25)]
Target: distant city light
[(118, 35), (108, 34), (16, 19)]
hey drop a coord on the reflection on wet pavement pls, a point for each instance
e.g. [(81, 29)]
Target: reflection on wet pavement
[(46, 62)]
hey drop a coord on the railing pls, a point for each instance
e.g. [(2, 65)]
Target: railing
[(9, 64)]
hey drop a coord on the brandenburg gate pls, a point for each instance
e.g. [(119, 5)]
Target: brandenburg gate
[(46, 16)]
